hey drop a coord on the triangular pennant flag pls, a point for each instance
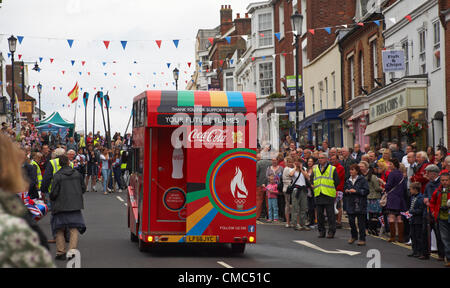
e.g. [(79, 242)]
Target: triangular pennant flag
[(130, 73), (189, 64), (70, 41), (106, 74), (253, 58), (106, 44), (158, 42), (80, 73), (40, 59), (20, 56), (263, 57), (72, 61), (345, 26), (20, 38), (312, 31), (211, 40), (124, 44), (231, 61), (175, 42), (377, 22), (89, 73), (221, 62), (228, 38), (328, 29), (200, 63), (83, 62), (63, 72), (51, 60), (278, 35), (104, 63), (360, 23), (168, 65), (9, 55), (408, 17), (284, 54), (245, 37)]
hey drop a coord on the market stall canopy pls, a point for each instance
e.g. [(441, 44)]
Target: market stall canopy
[(55, 119)]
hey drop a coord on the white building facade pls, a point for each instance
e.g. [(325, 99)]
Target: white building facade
[(421, 37)]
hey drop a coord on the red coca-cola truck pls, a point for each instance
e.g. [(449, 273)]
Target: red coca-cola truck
[(193, 164)]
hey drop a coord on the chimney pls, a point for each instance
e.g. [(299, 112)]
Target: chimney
[(246, 15), (226, 19), (238, 16)]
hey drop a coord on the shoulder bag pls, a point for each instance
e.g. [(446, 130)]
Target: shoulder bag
[(291, 186), (383, 200)]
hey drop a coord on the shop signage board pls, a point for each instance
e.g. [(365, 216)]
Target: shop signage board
[(393, 60), (290, 82), (388, 106)]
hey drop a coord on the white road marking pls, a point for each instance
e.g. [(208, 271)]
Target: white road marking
[(224, 264), (118, 197), (338, 251)]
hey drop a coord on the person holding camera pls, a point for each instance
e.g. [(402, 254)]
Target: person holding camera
[(299, 196)]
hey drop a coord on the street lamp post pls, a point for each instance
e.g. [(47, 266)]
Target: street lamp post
[(176, 74), (297, 22), (12, 42), (39, 88)]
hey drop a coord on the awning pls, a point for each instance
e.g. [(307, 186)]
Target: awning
[(393, 120)]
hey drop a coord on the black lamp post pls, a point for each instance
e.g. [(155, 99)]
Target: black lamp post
[(39, 89), (297, 22), (176, 75), (12, 43)]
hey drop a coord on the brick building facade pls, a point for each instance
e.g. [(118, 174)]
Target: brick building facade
[(223, 50)]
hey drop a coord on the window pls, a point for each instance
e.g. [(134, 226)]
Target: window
[(135, 114), (333, 77), (422, 52), (321, 95), (313, 101), (405, 47), (374, 54), (266, 78), (437, 44), (265, 29), (352, 77), (229, 82)]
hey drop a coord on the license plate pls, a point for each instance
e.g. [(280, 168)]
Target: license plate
[(201, 239)]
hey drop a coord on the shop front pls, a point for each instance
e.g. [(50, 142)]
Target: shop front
[(323, 125), (398, 113)]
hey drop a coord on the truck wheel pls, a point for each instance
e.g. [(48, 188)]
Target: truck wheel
[(142, 246), (238, 248), (133, 237)]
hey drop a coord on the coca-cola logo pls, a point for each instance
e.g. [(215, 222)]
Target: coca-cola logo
[(210, 136)]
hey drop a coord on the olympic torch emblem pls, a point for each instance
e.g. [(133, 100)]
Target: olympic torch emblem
[(238, 189)]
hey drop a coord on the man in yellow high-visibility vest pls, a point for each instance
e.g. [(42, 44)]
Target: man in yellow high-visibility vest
[(35, 159), (325, 180)]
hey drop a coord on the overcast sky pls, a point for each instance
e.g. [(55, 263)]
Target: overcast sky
[(47, 24)]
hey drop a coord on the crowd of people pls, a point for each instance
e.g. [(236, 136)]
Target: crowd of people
[(380, 189), (56, 171)]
